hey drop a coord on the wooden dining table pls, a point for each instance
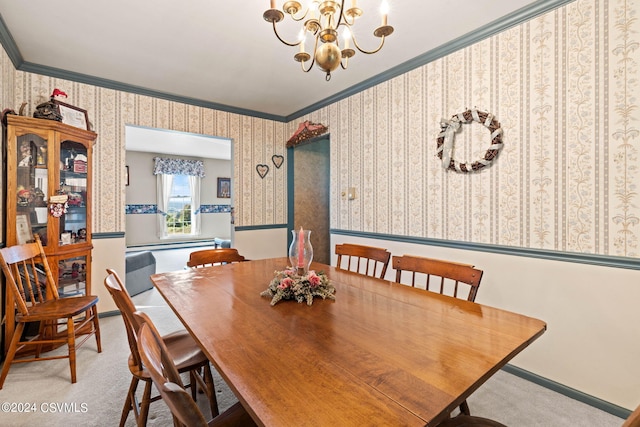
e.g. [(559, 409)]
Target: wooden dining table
[(381, 353)]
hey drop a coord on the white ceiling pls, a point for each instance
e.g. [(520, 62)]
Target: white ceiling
[(163, 141), (222, 54)]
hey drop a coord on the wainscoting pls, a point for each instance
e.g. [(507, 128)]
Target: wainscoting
[(590, 311)]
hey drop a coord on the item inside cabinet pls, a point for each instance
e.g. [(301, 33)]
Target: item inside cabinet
[(23, 229), (73, 268), (65, 238)]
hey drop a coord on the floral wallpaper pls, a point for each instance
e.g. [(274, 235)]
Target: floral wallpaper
[(257, 201), (563, 85)]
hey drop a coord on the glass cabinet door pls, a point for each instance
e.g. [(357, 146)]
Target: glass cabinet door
[(73, 184), (32, 188), (72, 276)]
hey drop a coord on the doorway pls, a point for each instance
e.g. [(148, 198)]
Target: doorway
[(309, 186), (142, 145)]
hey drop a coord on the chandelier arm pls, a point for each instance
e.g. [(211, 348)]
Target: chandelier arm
[(312, 26), (313, 54), (347, 23), (293, 7), (313, 61), (341, 15), (304, 15), (306, 70), (368, 52), (281, 39)]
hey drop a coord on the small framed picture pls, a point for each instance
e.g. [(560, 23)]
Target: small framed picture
[(73, 115), (224, 188), (23, 229), (65, 238)]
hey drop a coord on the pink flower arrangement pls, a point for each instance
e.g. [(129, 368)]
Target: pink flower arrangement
[(314, 279), (285, 283), (288, 285)]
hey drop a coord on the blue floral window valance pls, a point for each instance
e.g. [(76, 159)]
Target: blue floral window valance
[(178, 167)]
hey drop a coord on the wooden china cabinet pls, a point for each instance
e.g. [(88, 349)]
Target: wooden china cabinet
[(49, 174)]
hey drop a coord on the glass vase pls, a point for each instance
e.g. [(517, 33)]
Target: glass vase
[(301, 251)]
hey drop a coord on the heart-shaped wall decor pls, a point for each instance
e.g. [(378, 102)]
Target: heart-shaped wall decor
[(263, 170), (277, 160)]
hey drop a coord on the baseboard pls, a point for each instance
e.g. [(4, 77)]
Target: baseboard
[(605, 406), (109, 314), (171, 245)]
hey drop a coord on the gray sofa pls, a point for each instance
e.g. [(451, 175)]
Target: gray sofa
[(221, 243), (139, 266)]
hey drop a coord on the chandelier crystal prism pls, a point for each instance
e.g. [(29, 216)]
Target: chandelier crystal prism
[(321, 20)]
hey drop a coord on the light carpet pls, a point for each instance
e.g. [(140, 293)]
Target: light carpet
[(45, 390)]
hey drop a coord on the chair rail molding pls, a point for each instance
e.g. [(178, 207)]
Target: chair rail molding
[(592, 259)]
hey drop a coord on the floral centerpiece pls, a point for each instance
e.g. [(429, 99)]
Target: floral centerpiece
[(287, 284)]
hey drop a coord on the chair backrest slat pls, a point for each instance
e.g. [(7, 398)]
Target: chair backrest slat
[(375, 260), (451, 274), (125, 304), (161, 362), (28, 275), (208, 257), (164, 374), (17, 275)]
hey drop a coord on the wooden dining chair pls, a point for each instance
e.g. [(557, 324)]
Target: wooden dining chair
[(29, 279), (464, 420), (633, 420), (447, 275), (207, 257), (164, 374), (184, 351), (367, 260)]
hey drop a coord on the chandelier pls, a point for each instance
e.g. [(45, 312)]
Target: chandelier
[(322, 20)]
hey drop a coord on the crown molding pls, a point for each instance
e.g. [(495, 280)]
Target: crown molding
[(515, 18)]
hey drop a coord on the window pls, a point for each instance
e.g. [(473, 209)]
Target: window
[(178, 189), (179, 208)]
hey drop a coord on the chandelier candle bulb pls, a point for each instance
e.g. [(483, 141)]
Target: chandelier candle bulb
[(273, 4), (384, 10)]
